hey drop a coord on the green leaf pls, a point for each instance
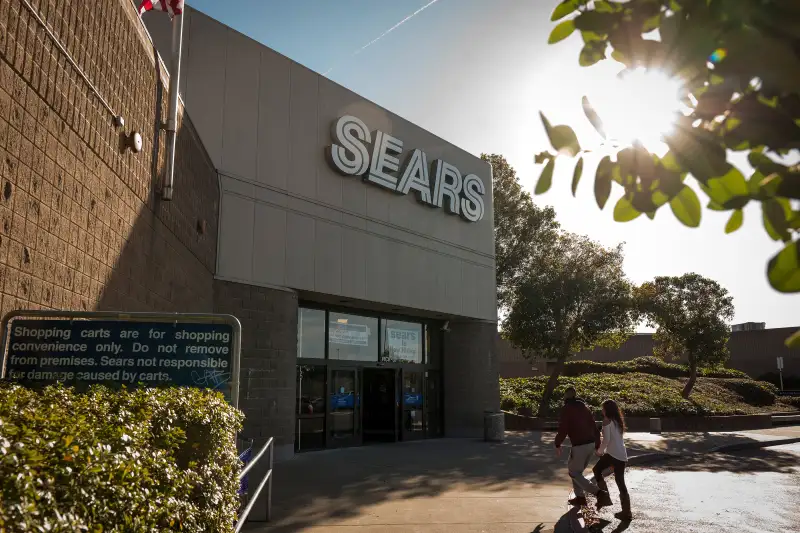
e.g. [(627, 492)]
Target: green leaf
[(783, 270), (593, 117), (735, 222), (619, 57), (714, 206), (563, 9), (592, 53), (561, 32), (576, 175), (775, 214), (546, 179), (651, 215), (602, 181), (624, 211), (541, 157), (725, 189), (794, 340), (686, 207), (562, 138), (754, 183)]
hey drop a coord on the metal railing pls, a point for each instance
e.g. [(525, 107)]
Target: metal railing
[(267, 480)]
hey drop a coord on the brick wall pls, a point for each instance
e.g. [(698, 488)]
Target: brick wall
[(470, 377), (81, 225), (269, 356)]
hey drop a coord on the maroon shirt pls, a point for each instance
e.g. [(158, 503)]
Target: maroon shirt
[(577, 423)]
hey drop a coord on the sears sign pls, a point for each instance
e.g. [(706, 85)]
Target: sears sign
[(357, 152)]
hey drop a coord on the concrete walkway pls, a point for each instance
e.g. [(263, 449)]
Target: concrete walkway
[(449, 485)]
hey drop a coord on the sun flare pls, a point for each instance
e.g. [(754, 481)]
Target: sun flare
[(638, 106)]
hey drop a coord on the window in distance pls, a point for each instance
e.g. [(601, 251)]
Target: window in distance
[(311, 333), (352, 337), (402, 342)]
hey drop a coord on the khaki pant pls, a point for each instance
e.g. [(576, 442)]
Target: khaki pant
[(579, 458)]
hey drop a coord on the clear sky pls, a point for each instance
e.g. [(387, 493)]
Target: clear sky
[(476, 73)]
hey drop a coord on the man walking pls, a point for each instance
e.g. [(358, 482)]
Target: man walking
[(578, 424)]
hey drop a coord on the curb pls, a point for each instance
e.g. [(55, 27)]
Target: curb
[(576, 522)]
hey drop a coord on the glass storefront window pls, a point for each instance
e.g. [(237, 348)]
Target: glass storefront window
[(352, 337), (402, 342), (311, 333)]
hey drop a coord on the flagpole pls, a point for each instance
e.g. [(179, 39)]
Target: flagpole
[(172, 113)]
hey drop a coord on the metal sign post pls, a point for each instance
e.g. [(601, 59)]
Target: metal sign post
[(116, 349), (780, 370)]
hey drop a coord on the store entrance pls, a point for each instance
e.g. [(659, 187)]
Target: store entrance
[(380, 405)]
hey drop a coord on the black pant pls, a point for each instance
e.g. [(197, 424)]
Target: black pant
[(619, 473)]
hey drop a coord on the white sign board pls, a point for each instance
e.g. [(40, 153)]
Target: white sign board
[(780, 363), (404, 344), (350, 334)]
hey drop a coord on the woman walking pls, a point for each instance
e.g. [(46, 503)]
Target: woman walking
[(612, 454)]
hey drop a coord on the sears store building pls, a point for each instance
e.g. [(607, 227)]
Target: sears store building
[(355, 247)]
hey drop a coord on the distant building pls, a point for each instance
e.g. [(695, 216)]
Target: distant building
[(753, 348), (749, 326)]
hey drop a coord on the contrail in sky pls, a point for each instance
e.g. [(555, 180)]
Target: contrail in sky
[(387, 32)]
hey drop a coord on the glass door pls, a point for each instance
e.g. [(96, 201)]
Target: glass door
[(344, 407), (412, 401), (310, 407)]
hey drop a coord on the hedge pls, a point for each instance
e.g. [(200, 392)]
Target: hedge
[(142, 460), (643, 394), (646, 365)]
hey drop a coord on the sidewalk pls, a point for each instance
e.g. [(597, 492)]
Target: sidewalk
[(451, 485)]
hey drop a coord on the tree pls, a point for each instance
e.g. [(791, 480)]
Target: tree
[(520, 227), (691, 314), (739, 63), (573, 297)]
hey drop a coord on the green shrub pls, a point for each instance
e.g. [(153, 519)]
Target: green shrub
[(646, 365), (791, 401), (140, 460), (643, 394), (752, 392)]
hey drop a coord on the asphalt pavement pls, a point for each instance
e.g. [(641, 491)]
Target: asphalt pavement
[(755, 491)]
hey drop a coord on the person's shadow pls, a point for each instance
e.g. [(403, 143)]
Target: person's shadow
[(602, 523)]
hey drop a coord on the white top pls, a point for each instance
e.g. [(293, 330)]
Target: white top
[(612, 442)]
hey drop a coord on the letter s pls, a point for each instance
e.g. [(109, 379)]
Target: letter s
[(472, 207), (349, 154)]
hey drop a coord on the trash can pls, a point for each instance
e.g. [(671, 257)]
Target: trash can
[(655, 425), (494, 426)]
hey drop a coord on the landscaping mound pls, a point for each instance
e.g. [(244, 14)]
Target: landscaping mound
[(646, 365), (140, 460), (648, 395)]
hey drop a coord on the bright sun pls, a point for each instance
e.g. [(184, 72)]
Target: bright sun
[(639, 105)]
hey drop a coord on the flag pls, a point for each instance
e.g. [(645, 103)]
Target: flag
[(173, 7)]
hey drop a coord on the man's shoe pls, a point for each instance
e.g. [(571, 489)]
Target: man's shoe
[(578, 501), (624, 516), (603, 499)]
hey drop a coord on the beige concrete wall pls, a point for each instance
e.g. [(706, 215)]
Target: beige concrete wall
[(288, 219)]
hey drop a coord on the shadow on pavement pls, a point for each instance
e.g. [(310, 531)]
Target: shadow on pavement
[(602, 524), (337, 484), (750, 461)]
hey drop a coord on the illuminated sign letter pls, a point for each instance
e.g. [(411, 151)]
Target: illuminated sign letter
[(415, 176), (376, 157), (349, 154), (447, 183), (383, 159), (472, 202)]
